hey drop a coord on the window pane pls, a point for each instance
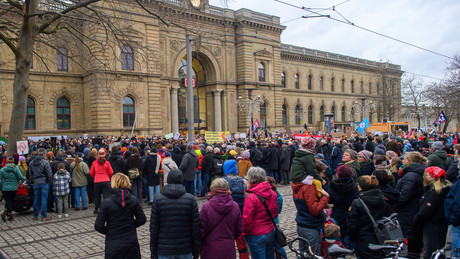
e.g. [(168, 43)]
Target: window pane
[(66, 110), (59, 111), (131, 109), (30, 102), (67, 123), (128, 100), (31, 110), (125, 108), (63, 102)]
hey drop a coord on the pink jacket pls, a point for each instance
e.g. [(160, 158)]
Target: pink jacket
[(101, 173), (256, 221)]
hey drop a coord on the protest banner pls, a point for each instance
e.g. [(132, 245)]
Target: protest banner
[(170, 135), (213, 136)]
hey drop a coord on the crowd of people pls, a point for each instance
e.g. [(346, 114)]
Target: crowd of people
[(333, 182)]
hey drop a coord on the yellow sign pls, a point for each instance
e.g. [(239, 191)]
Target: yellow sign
[(213, 136)]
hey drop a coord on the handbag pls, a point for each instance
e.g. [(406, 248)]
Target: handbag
[(280, 238), (386, 228), (133, 173)]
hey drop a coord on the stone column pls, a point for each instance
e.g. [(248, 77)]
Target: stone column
[(217, 111), (174, 110)]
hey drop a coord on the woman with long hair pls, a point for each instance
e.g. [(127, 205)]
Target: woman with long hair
[(430, 217), (121, 213), (79, 171), (101, 171)]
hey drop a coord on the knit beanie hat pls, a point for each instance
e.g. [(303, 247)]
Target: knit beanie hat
[(366, 154), (22, 159), (352, 153), (437, 145), (246, 154), (232, 152), (123, 149), (331, 231), (434, 172), (101, 152), (167, 154), (230, 167), (175, 177), (10, 159), (391, 154), (344, 171), (308, 142)]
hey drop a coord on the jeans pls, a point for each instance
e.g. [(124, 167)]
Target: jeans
[(313, 236), (204, 190), (80, 192), (284, 175), (146, 187), (198, 182), (455, 239), (189, 186), (101, 188), (41, 195), (62, 202), (261, 247), (9, 200), (136, 188), (274, 174), (185, 256), (157, 191)]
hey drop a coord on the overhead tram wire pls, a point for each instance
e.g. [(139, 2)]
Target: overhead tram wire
[(415, 74), (318, 10), (362, 28)]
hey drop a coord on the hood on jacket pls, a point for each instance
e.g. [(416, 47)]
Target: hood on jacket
[(303, 152), (37, 160), (61, 172), (121, 197), (419, 169), (174, 191), (263, 189), (441, 154), (372, 197), (390, 193), (230, 167), (193, 153), (9, 167), (222, 203), (343, 185)]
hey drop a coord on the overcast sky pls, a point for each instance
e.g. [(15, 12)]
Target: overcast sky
[(433, 25)]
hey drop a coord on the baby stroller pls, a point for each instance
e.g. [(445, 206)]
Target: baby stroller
[(24, 197)]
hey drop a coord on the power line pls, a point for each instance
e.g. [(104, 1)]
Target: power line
[(365, 29), (415, 74)]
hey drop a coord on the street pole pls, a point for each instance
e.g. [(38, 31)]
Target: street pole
[(250, 117), (424, 116), (362, 111), (191, 116)]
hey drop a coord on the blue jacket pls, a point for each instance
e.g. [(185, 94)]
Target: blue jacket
[(407, 147), (452, 205)]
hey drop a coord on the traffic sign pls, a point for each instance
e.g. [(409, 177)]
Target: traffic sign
[(23, 147), (193, 82)]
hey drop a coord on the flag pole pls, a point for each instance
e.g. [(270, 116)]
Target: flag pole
[(134, 124)]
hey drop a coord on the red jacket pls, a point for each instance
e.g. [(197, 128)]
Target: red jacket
[(101, 173), (256, 221)]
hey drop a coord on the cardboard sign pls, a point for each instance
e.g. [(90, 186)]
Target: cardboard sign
[(336, 134), (177, 136), (348, 132), (168, 136)]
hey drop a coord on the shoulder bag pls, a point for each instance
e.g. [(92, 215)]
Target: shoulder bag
[(280, 238)]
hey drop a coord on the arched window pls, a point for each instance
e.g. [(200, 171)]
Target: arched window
[(30, 114), (344, 117), (297, 115), (63, 113), (352, 83), (352, 114), (361, 87), (263, 115), (284, 113), (333, 110), (321, 113), (310, 115), (343, 85), (127, 58), (332, 85), (283, 80), (378, 88), (309, 82), (129, 113), (296, 77), (321, 83), (62, 61), (370, 88), (261, 72)]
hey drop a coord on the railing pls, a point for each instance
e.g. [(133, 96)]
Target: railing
[(337, 57)]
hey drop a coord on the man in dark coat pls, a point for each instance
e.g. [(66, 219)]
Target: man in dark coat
[(207, 166), (150, 169), (273, 163), (178, 231), (438, 157), (285, 163), (266, 152), (188, 166)]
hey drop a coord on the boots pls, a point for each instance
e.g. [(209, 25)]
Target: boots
[(4, 216), (10, 216)]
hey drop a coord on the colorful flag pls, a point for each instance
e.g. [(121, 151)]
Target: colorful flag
[(441, 119), (363, 125)]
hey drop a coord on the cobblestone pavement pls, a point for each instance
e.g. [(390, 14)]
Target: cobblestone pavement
[(75, 237)]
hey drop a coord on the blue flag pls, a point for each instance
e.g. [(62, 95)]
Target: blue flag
[(363, 125)]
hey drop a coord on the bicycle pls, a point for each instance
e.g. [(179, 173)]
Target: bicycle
[(391, 248), (441, 253), (336, 252), (307, 254)]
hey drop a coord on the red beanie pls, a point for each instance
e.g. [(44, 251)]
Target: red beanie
[(436, 172)]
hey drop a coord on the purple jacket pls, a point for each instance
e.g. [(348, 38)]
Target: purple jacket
[(220, 242)]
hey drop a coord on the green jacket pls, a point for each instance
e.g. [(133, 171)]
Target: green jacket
[(303, 165), (9, 177), (354, 166), (79, 176), (439, 159)]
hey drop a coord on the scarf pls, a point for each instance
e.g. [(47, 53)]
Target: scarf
[(218, 191), (24, 164), (401, 169)]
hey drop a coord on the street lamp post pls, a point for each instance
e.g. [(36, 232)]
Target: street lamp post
[(249, 105)]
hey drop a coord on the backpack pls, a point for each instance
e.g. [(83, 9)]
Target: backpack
[(258, 156), (218, 166), (237, 189)]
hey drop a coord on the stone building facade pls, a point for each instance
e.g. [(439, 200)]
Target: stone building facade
[(236, 55)]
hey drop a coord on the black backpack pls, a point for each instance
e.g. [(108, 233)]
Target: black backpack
[(258, 156), (218, 166)]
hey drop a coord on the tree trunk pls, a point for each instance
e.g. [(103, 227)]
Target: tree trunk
[(21, 84), (444, 129), (418, 120)]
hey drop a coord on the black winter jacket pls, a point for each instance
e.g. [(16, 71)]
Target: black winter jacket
[(452, 173), (411, 190), (149, 167), (175, 223), (134, 161), (207, 164), (267, 153), (360, 225), (342, 191), (118, 218), (391, 195), (189, 164), (366, 168), (431, 210), (273, 164), (117, 163), (40, 171), (57, 161)]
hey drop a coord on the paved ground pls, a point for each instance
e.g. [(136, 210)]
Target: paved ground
[(75, 237)]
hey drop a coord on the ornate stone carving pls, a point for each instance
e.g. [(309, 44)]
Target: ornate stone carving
[(37, 95), (64, 92), (3, 97), (129, 91)]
